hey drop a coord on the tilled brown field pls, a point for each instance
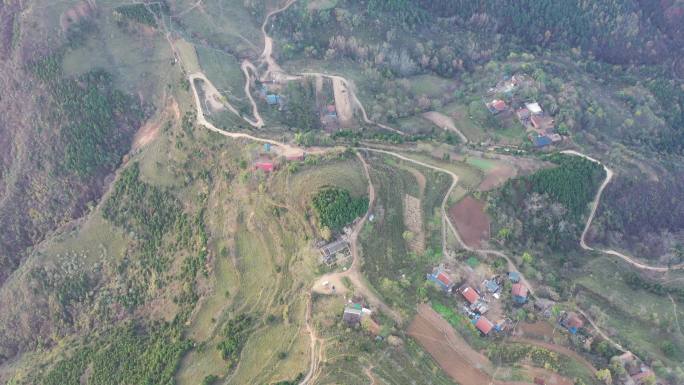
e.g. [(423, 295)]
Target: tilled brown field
[(471, 221)]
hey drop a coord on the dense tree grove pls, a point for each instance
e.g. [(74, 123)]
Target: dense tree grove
[(336, 208), (143, 13), (95, 118), (549, 206)]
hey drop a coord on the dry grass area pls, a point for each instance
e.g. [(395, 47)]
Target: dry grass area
[(471, 221), (413, 219), (497, 176)]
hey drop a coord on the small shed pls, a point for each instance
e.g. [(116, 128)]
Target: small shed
[(540, 141), (572, 322), (514, 276), (265, 165), (272, 99), (492, 286), (331, 110), (542, 122), (523, 114), (470, 295), (352, 314), (484, 325), (519, 292), (534, 108)]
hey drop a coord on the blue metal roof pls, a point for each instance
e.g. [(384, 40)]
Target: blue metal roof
[(541, 141), (272, 99)]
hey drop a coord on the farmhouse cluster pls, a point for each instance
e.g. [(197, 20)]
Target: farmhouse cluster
[(508, 98)]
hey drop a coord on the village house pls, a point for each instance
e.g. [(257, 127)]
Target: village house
[(265, 165), (336, 251), (483, 325), (523, 115), (441, 279), (514, 276), (519, 293), (352, 314), (470, 295), (571, 321), (542, 123), (496, 106), (534, 108)]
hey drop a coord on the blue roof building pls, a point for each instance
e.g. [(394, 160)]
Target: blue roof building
[(541, 141), (272, 99), (514, 276)]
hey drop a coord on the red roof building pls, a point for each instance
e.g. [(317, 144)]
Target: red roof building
[(496, 106), (470, 295), (519, 290), (499, 105), (444, 279), (484, 325), (265, 166)]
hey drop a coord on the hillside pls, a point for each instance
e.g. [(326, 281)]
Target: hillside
[(341, 192)]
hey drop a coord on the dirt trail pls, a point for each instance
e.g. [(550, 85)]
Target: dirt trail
[(279, 147), (267, 53), (316, 345), (674, 311), (445, 122), (594, 207)]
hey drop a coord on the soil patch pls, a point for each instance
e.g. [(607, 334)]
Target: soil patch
[(537, 330), (326, 283), (497, 176), (452, 353), (471, 221), (150, 130), (413, 219), (342, 101), (550, 378)]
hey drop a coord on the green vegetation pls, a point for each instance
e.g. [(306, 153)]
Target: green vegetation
[(336, 208), (547, 207), (91, 113), (142, 13), (146, 210), (300, 111), (236, 333), (127, 355)]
